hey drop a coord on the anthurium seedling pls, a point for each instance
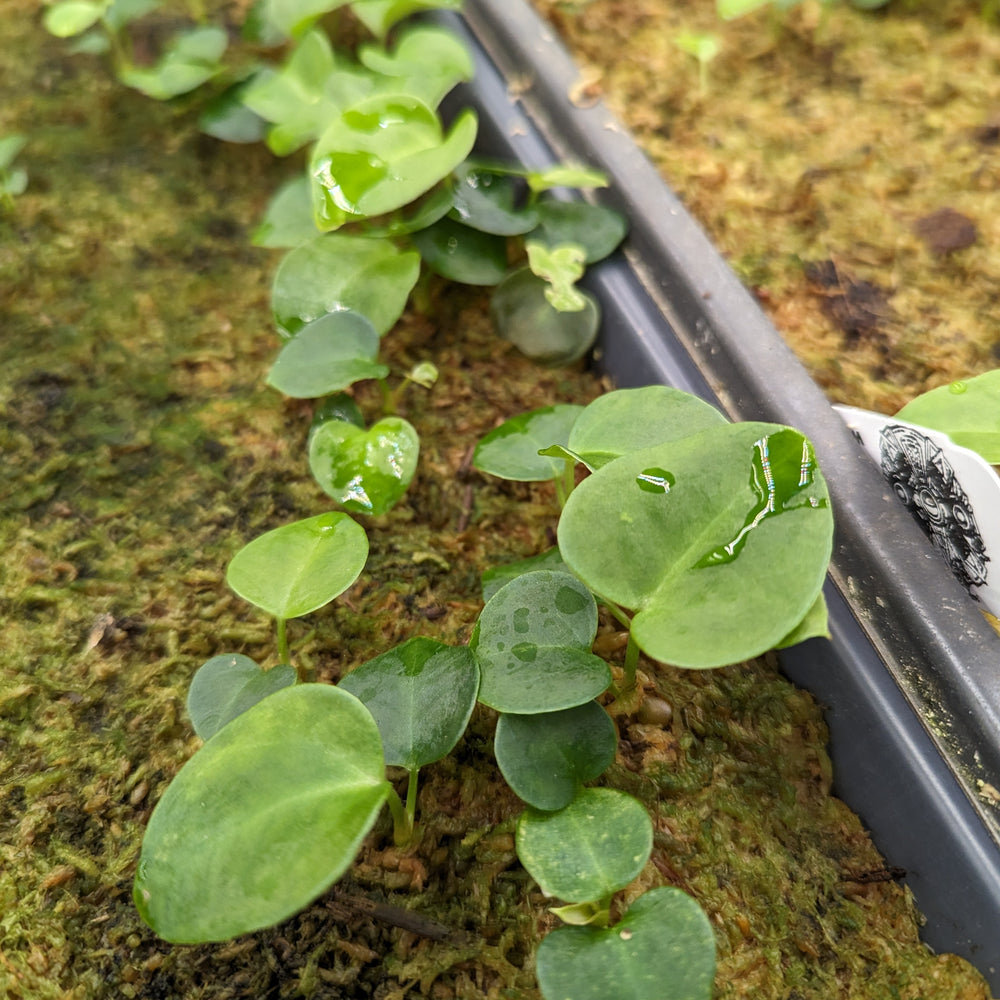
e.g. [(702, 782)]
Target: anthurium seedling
[(421, 695), (968, 411), (663, 948), (511, 451), (327, 355), (704, 47), (264, 818), (561, 267), (532, 643), (382, 153), (227, 686), (731, 528), (587, 851), (523, 314), (365, 470), (297, 568), (546, 758), (335, 272)]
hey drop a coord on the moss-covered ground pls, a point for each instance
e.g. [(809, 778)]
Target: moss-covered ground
[(141, 449), (846, 162)]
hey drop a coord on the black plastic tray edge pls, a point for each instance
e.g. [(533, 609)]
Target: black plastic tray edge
[(887, 766)]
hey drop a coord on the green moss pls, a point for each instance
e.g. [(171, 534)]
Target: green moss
[(142, 449)]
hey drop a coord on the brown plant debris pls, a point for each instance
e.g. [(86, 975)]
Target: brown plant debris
[(946, 231)]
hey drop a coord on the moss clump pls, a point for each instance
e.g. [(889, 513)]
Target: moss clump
[(829, 138), (142, 449)]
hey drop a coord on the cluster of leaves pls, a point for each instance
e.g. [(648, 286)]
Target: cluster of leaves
[(275, 806), (678, 523)]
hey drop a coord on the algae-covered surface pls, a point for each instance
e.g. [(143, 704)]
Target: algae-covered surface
[(847, 163), (141, 449)]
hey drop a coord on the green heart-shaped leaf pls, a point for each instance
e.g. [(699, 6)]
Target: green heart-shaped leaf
[(334, 272), (421, 695), (662, 949), (264, 818), (364, 471), (378, 16), (462, 254), (293, 17), (533, 646), (595, 846), (288, 220), (967, 411), (301, 566), (511, 451), (191, 59), (327, 355), (546, 757), (71, 17), (524, 316), (382, 153), (628, 420), (719, 540), (487, 200), (226, 686), (426, 62), (597, 229)]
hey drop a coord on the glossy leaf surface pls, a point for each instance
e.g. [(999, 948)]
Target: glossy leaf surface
[(381, 154), (595, 846), (510, 451), (228, 685), (421, 695), (663, 948), (628, 420), (595, 228), (301, 566), (264, 818), (523, 315), (546, 757), (488, 201), (334, 272), (364, 471), (967, 411), (462, 254), (720, 541), (327, 355), (533, 646)]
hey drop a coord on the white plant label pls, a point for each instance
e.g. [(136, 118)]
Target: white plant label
[(952, 492)]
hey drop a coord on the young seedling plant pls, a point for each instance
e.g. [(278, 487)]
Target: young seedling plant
[(723, 524)]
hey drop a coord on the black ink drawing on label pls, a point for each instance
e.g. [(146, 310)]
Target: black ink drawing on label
[(923, 478)]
